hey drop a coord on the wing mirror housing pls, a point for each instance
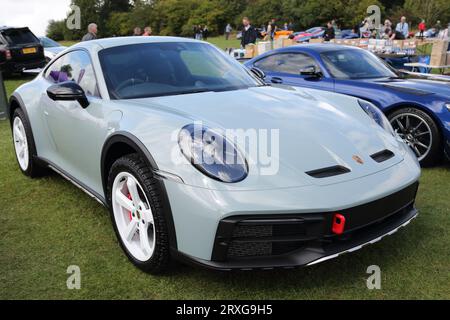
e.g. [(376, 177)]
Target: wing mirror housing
[(258, 73), (310, 71), (68, 91)]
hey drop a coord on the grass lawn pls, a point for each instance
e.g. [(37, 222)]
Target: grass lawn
[(48, 224)]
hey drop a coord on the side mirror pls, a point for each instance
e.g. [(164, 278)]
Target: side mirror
[(310, 71), (68, 91), (258, 73)]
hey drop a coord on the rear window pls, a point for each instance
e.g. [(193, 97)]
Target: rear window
[(19, 36)]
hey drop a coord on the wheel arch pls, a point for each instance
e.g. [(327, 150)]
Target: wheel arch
[(389, 110), (121, 144), (15, 102)]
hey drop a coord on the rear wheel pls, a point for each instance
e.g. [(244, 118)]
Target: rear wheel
[(420, 132), (24, 145), (137, 214)]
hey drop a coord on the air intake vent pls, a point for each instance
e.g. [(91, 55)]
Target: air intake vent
[(382, 156), (328, 172)]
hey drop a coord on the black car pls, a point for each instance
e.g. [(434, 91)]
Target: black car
[(20, 50)]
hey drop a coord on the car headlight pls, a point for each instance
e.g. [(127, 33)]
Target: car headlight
[(212, 154), (447, 106), (377, 115)]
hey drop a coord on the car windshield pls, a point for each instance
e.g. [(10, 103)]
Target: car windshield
[(355, 64), (49, 43), (20, 36), (170, 68)]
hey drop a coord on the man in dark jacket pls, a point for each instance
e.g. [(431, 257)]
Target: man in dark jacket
[(249, 33), (329, 32)]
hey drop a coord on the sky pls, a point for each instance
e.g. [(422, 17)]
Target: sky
[(34, 14)]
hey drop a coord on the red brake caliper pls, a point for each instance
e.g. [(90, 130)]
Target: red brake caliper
[(129, 212)]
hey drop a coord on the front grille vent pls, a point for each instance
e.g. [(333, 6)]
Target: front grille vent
[(382, 156), (328, 172)]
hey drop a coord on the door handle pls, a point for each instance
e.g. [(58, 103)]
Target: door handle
[(276, 80)]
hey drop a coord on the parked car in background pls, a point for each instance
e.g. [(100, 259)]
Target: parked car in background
[(51, 48), (139, 124), (313, 33), (20, 50), (419, 110), (348, 34), (430, 33)]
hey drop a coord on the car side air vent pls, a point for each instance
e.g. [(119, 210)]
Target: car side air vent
[(328, 172), (382, 156)]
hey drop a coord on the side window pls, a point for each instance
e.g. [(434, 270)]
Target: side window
[(75, 66), (289, 63)]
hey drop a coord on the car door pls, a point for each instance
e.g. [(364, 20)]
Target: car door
[(284, 68), (76, 134)]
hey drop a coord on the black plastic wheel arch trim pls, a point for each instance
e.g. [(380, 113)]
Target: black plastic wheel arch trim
[(136, 144)]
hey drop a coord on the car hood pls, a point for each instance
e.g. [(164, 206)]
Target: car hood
[(315, 131), (416, 86)]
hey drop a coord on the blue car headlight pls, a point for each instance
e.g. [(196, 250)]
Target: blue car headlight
[(212, 154), (377, 115), (447, 106)]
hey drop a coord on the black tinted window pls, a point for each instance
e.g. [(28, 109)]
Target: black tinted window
[(171, 68), (19, 36), (290, 63), (355, 64), (75, 66)]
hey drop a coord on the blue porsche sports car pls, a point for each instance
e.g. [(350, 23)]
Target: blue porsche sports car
[(419, 110)]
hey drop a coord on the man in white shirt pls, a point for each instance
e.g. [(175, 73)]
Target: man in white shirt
[(403, 27)]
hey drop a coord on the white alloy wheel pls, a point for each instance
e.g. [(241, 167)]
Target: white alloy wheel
[(133, 216), (21, 144)]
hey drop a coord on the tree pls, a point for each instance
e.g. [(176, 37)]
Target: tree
[(430, 10), (55, 29)]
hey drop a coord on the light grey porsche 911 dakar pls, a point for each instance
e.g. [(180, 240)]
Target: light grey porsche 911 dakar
[(143, 126)]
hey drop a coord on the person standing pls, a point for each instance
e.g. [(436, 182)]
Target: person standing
[(422, 28), (147, 32), (199, 32), (273, 29), (403, 27), (92, 33), (137, 32), (205, 33), (249, 33), (228, 30), (329, 32), (438, 26), (290, 26), (387, 26)]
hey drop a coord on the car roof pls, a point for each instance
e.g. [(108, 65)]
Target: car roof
[(317, 48), (3, 28), (123, 41)]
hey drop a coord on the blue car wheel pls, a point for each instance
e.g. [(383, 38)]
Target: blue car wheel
[(420, 132)]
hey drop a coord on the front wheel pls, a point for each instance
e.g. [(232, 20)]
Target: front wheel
[(24, 146), (420, 133), (137, 214)]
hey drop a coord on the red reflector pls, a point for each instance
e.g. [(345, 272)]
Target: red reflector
[(338, 224), (8, 55)]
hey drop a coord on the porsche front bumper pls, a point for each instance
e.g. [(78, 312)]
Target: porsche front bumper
[(269, 242), (285, 228)]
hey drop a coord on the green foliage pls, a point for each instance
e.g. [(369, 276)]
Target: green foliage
[(430, 10), (178, 17), (55, 29)]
